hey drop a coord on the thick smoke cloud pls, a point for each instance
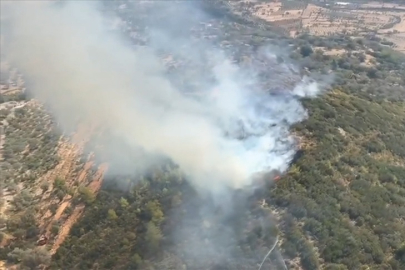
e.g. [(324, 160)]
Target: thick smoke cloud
[(86, 72)]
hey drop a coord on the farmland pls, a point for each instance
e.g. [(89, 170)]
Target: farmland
[(384, 21)]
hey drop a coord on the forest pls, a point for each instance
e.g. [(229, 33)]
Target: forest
[(340, 206)]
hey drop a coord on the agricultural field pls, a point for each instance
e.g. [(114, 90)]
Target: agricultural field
[(385, 21)]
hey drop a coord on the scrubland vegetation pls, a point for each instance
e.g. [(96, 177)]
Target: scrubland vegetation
[(340, 206)]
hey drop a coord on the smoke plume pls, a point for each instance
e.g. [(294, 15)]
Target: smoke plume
[(87, 72)]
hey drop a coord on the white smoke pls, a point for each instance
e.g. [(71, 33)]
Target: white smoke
[(85, 71)]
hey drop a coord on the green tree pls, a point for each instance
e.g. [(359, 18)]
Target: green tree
[(155, 211), (309, 259), (59, 183), (124, 203), (136, 260), (33, 258), (87, 195), (153, 236), (55, 229), (111, 214)]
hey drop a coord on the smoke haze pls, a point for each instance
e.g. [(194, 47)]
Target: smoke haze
[(88, 73)]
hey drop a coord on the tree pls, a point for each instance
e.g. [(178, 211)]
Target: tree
[(87, 195), (32, 232), (334, 266), (155, 211), (124, 203), (111, 214), (15, 255), (400, 253), (306, 50), (32, 258), (309, 259), (59, 183), (60, 194), (44, 186), (153, 236), (19, 233), (55, 229), (136, 260)]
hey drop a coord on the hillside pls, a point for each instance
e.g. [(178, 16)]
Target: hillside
[(340, 205)]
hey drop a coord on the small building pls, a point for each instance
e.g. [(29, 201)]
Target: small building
[(342, 4), (345, 5)]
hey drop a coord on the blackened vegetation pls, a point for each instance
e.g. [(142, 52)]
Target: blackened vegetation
[(298, 155)]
